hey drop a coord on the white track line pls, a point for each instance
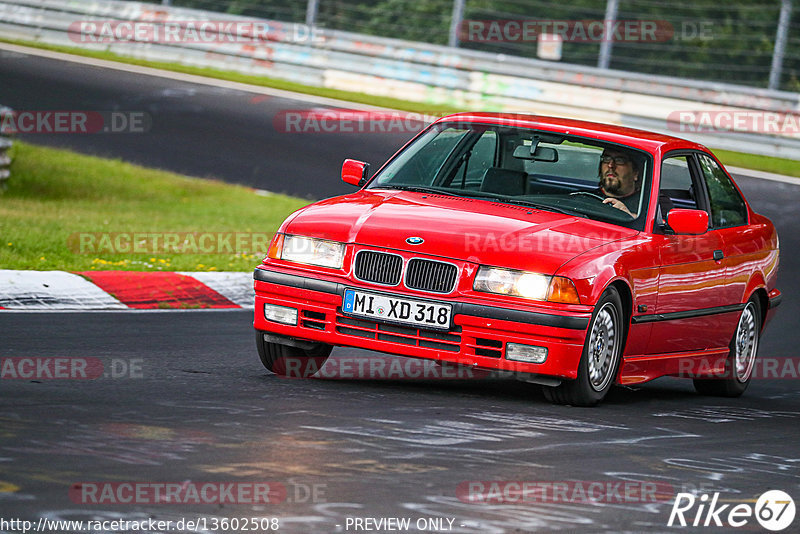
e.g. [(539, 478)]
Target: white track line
[(764, 175)]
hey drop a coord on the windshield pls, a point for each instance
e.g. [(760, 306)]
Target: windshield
[(544, 170)]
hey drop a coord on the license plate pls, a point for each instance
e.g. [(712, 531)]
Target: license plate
[(393, 309)]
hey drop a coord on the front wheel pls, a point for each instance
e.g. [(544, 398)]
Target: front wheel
[(294, 362), (601, 356), (741, 358)]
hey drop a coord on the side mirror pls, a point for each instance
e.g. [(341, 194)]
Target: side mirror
[(692, 222), (355, 172)]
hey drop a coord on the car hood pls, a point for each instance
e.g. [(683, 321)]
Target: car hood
[(474, 230)]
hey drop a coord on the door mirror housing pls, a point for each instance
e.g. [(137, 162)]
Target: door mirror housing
[(355, 172), (691, 222)]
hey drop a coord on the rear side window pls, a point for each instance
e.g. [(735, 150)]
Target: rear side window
[(727, 206)]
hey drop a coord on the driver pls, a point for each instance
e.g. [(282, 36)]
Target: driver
[(619, 180)]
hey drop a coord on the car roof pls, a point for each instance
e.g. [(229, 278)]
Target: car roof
[(643, 139)]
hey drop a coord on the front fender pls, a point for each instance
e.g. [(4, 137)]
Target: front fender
[(632, 262)]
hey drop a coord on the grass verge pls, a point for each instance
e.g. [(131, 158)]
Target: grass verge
[(788, 167), (66, 211)]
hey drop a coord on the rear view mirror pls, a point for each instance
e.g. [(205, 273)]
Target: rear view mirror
[(691, 222), (355, 172), (542, 153)]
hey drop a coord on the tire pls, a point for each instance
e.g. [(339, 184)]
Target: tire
[(741, 359), (602, 353), (294, 362)]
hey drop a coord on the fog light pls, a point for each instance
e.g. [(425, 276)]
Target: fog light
[(280, 314), (525, 353)]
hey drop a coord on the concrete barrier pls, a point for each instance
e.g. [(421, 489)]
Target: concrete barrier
[(720, 115)]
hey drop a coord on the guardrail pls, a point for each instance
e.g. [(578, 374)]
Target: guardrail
[(5, 150), (721, 115)]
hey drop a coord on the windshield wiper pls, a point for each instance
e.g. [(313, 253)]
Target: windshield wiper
[(545, 207), (487, 196), (422, 189)]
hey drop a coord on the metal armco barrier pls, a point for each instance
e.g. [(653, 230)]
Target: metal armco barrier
[(719, 115), (5, 150)]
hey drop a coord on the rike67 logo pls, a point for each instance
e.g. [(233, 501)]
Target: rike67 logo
[(774, 510)]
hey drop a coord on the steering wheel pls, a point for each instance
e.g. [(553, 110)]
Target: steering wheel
[(588, 194), (601, 199)]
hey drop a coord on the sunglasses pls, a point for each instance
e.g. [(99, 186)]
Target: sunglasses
[(618, 160)]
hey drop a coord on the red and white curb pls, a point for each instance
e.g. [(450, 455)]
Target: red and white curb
[(121, 290)]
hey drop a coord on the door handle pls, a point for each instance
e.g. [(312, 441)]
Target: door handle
[(718, 255)]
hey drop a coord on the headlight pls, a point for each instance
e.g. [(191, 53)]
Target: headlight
[(508, 282), (320, 252), (526, 284)]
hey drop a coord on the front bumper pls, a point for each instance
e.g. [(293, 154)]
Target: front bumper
[(478, 337)]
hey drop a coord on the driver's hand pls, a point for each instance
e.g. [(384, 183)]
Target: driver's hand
[(615, 202)]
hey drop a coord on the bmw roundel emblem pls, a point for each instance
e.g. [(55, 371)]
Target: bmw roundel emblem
[(415, 241)]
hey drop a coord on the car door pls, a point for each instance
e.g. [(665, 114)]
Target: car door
[(692, 293), (743, 247)]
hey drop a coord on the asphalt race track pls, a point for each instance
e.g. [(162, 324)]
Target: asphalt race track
[(198, 407), (181, 399), (198, 130)]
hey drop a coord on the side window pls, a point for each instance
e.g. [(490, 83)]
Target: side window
[(482, 156), (420, 164), (677, 189), (727, 206), (676, 183)]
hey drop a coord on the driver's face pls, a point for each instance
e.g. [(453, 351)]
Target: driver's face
[(617, 175)]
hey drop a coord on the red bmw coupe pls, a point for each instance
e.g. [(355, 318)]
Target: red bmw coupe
[(575, 255)]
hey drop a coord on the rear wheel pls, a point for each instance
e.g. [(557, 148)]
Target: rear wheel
[(741, 358), (602, 352), (294, 362)]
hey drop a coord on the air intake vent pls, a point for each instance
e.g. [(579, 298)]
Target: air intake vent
[(491, 348), (378, 267), (434, 276), (449, 197)]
